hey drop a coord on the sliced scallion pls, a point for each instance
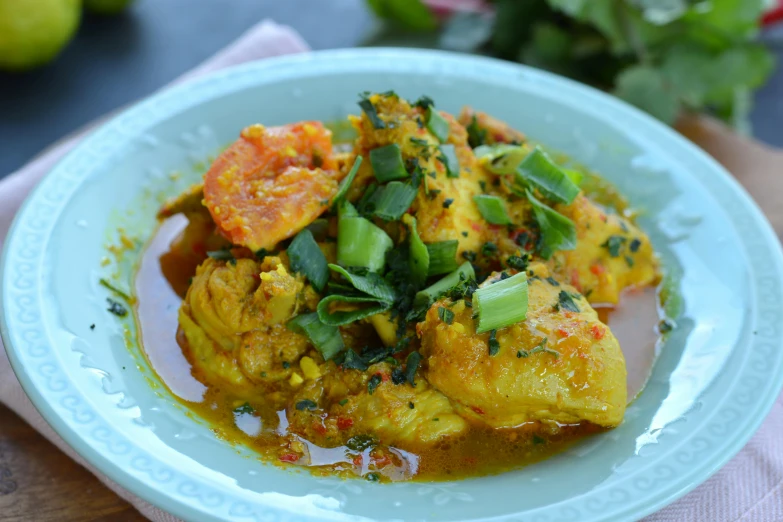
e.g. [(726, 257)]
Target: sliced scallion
[(371, 283), (325, 338), (450, 160), (437, 124), (500, 158), (575, 175), (492, 209), (345, 184), (429, 295), (352, 309), (502, 303), (360, 243), (540, 172), (557, 231), (391, 201), (418, 254), (443, 257), (387, 163), (308, 259)]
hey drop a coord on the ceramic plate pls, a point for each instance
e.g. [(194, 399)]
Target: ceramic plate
[(717, 375)]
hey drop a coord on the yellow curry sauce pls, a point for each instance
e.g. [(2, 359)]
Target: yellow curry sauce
[(551, 379)]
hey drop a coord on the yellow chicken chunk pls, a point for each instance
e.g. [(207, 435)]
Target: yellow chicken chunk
[(558, 365)]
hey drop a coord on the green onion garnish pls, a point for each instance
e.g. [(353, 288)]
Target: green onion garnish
[(418, 254), (424, 298), (501, 158), (326, 338), (361, 243), (341, 317), (574, 175), (387, 163), (391, 201), (557, 231), (476, 135), (372, 114), (449, 159), (221, 255), (539, 171), (371, 283), (445, 315), (437, 124), (502, 303), (345, 184), (492, 209), (443, 257), (308, 259)]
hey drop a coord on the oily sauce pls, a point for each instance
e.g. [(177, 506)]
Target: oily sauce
[(479, 451)]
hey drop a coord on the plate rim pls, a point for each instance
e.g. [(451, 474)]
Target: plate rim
[(165, 501)]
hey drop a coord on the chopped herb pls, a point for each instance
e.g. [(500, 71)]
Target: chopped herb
[(411, 366), (420, 142), (469, 256), (447, 202), (306, 258), (398, 376), (449, 159), (245, 408), (353, 361), (538, 440), (666, 326), (494, 344), (476, 135), (635, 244), (614, 244), (629, 261), (424, 102), (522, 353), (434, 193), (360, 442), (503, 276), (374, 382), (489, 249), (263, 374), (522, 239), (286, 365), (464, 233), (261, 253), (542, 348), (221, 255), (552, 281), (483, 185), (92, 326), (445, 315), (372, 477), (116, 308), (369, 109), (566, 302), (411, 405), (436, 419), (306, 404), (343, 402)]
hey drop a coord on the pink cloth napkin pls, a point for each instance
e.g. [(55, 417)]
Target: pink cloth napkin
[(748, 488)]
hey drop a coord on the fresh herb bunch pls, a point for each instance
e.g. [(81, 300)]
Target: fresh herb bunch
[(664, 56)]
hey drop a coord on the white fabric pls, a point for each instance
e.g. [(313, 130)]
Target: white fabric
[(749, 488)]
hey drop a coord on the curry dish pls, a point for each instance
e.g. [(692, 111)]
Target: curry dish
[(419, 303)]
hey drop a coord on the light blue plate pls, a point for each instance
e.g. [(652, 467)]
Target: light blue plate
[(716, 378)]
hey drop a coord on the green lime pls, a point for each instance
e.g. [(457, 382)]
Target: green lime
[(106, 7), (32, 32)]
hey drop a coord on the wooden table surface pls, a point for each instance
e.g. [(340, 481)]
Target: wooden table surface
[(38, 482)]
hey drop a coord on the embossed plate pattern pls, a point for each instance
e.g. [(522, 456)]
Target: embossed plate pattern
[(716, 378)]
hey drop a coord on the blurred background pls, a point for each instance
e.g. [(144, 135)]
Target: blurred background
[(64, 63)]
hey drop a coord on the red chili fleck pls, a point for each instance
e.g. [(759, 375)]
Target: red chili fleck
[(344, 423), (475, 226), (477, 410), (357, 460), (598, 332), (319, 428), (289, 457), (575, 279), (562, 333), (597, 269), (499, 137), (495, 228), (384, 376), (471, 460)]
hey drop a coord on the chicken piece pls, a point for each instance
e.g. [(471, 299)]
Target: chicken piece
[(271, 183), (233, 319), (611, 254), (491, 129), (558, 365), (444, 205), (386, 412)]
